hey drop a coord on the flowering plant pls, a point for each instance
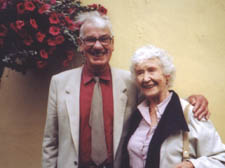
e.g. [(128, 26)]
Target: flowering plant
[(101, 9), (35, 33)]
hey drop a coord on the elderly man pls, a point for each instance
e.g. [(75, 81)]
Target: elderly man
[(75, 134)]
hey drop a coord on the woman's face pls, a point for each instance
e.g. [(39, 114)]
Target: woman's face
[(151, 79)]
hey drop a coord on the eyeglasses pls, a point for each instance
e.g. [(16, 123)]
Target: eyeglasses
[(104, 40)]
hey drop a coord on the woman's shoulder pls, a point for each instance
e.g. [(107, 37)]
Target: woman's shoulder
[(195, 125)]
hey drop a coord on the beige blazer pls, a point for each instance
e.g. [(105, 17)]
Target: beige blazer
[(205, 145), (61, 134)]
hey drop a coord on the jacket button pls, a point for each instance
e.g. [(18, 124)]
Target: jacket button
[(75, 162)]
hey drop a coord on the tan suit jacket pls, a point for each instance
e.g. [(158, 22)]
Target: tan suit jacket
[(61, 135), (165, 149), (206, 147)]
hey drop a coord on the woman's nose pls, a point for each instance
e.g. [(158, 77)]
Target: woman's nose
[(147, 77)]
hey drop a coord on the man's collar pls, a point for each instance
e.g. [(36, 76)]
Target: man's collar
[(89, 75)]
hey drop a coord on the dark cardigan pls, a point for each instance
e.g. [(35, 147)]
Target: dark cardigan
[(171, 122)]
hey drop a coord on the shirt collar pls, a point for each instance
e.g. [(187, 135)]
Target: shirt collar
[(143, 107), (162, 106), (88, 75)]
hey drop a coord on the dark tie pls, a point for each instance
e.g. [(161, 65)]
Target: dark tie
[(96, 122)]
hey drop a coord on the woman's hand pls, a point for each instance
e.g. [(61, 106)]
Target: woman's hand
[(200, 104), (184, 164)]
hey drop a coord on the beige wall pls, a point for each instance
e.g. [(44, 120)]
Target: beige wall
[(192, 31)]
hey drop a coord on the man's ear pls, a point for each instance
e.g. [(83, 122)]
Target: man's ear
[(79, 42)]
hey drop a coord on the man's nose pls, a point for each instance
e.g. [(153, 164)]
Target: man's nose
[(98, 44)]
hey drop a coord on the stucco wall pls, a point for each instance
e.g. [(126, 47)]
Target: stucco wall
[(192, 31)]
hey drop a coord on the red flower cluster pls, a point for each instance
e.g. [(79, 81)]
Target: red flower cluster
[(3, 4), (37, 26), (36, 33), (101, 9)]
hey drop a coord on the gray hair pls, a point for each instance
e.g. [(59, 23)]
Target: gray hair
[(94, 18), (149, 52)]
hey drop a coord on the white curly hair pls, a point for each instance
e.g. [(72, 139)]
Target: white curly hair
[(149, 52), (94, 18)]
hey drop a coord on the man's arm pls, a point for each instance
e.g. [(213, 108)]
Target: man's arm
[(200, 104), (50, 139)]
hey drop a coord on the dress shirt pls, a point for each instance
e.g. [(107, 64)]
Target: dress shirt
[(140, 140), (86, 91)]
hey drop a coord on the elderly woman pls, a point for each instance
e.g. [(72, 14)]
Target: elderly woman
[(155, 139)]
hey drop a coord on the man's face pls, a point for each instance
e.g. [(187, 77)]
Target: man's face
[(151, 79), (97, 52)]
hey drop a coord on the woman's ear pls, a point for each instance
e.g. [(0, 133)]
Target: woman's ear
[(167, 79)]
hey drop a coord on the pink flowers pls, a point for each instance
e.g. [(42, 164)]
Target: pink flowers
[(3, 30), (39, 28), (102, 10), (20, 8), (55, 40), (34, 33), (43, 54), (99, 8), (71, 24), (29, 5), (3, 4), (40, 37), (53, 19), (19, 24), (54, 30), (44, 8), (59, 39), (33, 23)]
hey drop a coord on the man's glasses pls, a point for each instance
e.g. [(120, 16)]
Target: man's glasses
[(104, 40)]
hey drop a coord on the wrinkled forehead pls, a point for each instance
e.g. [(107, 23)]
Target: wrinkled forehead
[(93, 31), (97, 21), (95, 24), (148, 61)]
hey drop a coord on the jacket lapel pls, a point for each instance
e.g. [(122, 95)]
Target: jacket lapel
[(119, 107), (171, 122), (73, 105)]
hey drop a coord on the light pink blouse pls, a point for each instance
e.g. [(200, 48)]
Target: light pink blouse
[(139, 141)]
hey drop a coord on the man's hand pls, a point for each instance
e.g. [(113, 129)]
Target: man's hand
[(200, 104), (184, 164)]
